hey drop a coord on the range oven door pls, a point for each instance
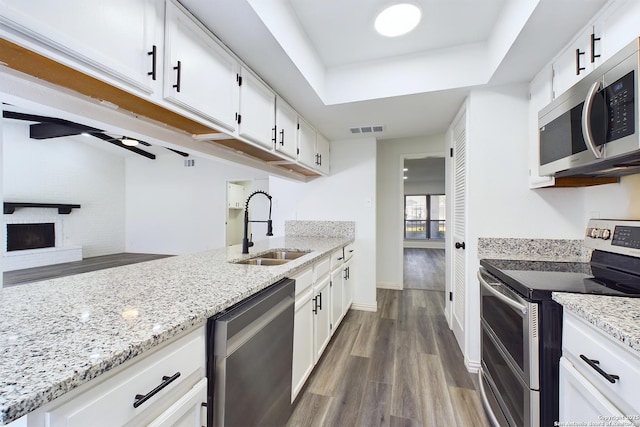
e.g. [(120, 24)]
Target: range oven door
[(510, 352)]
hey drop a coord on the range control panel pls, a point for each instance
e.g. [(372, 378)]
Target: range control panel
[(619, 236)]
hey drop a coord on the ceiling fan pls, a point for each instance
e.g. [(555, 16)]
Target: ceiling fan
[(51, 127)]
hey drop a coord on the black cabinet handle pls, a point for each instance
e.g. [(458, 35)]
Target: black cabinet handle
[(275, 133), (315, 305), (594, 39), (178, 69), (460, 245), (351, 251), (339, 258), (320, 157), (141, 398), (154, 55), (320, 303), (348, 272), (578, 67), (282, 137), (594, 364)]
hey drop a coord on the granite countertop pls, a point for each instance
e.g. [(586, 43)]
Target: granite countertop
[(618, 317), (58, 334)]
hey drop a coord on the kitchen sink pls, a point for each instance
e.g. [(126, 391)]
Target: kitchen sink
[(273, 258), (283, 255), (263, 261)]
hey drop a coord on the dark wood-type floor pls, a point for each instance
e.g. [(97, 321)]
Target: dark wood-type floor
[(400, 366), (424, 269), (18, 277)]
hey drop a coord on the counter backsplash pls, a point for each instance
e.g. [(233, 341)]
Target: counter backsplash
[(533, 249), (345, 229)]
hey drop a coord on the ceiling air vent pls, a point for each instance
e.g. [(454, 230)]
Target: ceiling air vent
[(367, 129)]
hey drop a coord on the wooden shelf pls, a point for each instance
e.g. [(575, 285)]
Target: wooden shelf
[(63, 208)]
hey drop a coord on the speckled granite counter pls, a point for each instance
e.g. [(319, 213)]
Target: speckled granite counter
[(58, 334), (618, 317)]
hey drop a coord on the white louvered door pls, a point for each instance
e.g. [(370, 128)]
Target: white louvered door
[(458, 231)]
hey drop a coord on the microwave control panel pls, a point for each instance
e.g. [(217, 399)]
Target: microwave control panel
[(620, 104)]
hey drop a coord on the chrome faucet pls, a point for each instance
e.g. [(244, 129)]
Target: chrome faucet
[(246, 241)]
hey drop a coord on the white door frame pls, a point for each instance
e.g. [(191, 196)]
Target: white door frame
[(400, 202)]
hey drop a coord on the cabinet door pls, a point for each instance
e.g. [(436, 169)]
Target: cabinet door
[(257, 106), (113, 37), (322, 320), (322, 152), (347, 283), (336, 298), (303, 342), (199, 75), (574, 63), (580, 401), (187, 411), (306, 144), (235, 196), (287, 129), (618, 26)]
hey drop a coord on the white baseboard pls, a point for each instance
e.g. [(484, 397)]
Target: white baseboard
[(472, 365), (364, 307), (393, 286), (424, 244)]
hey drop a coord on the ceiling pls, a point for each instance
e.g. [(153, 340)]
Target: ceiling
[(326, 60)]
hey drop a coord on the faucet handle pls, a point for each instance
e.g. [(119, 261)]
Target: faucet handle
[(250, 240)]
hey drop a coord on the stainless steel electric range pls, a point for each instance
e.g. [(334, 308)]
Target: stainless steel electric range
[(522, 325)]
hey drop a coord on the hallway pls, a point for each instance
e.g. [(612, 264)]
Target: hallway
[(400, 366), (423, 269)]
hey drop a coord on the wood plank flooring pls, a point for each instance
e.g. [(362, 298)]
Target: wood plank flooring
[(424, 269), (18, 277), (398, 367)]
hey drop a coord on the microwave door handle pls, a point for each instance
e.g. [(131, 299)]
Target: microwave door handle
[(586, 126), (515, 304)]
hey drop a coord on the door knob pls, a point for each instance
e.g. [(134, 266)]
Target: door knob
[(459, 245)]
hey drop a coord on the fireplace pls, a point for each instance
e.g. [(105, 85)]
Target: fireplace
[(30, 236)]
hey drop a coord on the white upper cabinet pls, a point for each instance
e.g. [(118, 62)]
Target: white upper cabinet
[(286, 129), (578, 60), (257, 109), (619, 25), (115, 37), (199, 75), (322, 154), (306, 144)]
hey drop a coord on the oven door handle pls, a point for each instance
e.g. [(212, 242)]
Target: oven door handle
[(485, 401), (515, 304)]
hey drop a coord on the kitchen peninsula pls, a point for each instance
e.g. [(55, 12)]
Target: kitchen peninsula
[(59, 334)]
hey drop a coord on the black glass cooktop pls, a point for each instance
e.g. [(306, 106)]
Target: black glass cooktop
[(536, 280)]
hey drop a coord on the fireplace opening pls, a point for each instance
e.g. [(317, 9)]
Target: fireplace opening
[(30, 236)]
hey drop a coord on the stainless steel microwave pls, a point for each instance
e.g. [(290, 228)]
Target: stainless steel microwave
[(592, 129)]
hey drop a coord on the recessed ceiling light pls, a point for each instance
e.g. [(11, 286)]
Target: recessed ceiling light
[(398, 19), (404, 177), (405, 169)]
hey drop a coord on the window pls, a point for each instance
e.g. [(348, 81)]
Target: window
[(424, 217)]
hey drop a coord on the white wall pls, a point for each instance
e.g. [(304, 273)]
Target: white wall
[(390, 191), (173, 209), (66, 170), (433, 187), (348, 194), (3, 237)]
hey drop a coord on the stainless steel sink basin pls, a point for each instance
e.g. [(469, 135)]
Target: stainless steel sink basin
[(273, 258), (263, 261), (284, 255)]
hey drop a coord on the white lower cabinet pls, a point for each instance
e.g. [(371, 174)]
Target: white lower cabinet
[(168, 387), (598, 377), (337, 308), (347, 285), (580, 401), (322, 323)]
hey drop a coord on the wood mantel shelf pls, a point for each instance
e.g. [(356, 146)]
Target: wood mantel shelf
[(63, 208)]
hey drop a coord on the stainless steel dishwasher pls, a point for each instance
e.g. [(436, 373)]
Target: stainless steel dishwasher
[(249, 359)]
